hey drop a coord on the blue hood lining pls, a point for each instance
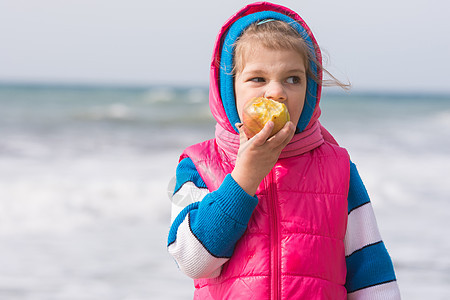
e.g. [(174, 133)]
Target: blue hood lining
[(226, 78)]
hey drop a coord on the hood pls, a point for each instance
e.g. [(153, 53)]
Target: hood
[(221, 92)]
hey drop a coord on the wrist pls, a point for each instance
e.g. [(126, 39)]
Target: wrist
[(247, 182)]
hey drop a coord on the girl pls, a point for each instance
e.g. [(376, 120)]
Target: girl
[(285, 217)]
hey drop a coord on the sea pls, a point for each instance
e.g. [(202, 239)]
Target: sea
[(84, 170)]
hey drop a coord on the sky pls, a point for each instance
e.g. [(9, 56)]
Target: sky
[(384, 45)]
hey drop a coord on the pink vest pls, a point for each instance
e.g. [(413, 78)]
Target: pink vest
[(293, 247)]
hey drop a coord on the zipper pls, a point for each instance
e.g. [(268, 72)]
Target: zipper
[(275, 238)]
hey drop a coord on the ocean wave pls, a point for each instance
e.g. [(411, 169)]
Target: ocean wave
[(115, 111), (180, 96), (61, 195), (443, 118), (161, 95), (126, 114)]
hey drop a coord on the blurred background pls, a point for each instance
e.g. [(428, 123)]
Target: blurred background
[(99, 98)]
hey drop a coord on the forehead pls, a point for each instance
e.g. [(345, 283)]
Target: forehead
[(251, 50), (267, 60)]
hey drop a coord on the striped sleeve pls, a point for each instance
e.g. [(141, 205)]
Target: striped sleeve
[(206, 225), (370, 272)]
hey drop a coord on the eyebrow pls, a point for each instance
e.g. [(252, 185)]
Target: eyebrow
[(297, 71)]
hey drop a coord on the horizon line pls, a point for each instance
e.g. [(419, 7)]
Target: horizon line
[(335, 91)]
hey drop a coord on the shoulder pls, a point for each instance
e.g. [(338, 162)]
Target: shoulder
[(333, 149), (187, 172), (333, 156), (199, 151)]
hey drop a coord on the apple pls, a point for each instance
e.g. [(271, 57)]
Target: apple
[(258, 111)]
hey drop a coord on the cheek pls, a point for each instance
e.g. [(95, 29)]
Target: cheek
[(239, 103), (295, 110), (240, 96), (239, 107)]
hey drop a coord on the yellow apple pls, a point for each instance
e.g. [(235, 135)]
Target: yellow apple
[(258, 111)]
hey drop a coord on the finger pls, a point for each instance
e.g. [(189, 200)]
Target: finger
[(291, 132), (261, 137), (284, 136), (242, 137)]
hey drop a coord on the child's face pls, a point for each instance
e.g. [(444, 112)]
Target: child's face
[(276, 74)]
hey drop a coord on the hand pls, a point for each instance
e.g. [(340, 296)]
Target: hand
[(257, 156)]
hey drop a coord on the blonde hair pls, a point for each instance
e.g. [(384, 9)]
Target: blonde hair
[(279, 35)]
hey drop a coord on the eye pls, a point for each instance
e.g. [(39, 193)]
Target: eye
[(293, 80), (257, 79)]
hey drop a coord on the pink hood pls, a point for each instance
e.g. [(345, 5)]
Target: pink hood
[(222, 101)]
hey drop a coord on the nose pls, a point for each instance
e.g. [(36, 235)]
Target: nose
[(275, 91)]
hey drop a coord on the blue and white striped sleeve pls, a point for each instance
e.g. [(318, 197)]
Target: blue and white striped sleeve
[(370, 272), (206, 225)]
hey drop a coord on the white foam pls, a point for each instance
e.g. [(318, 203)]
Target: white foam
[(114, 111), (60, 195), (197, 96), (159, 95)]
